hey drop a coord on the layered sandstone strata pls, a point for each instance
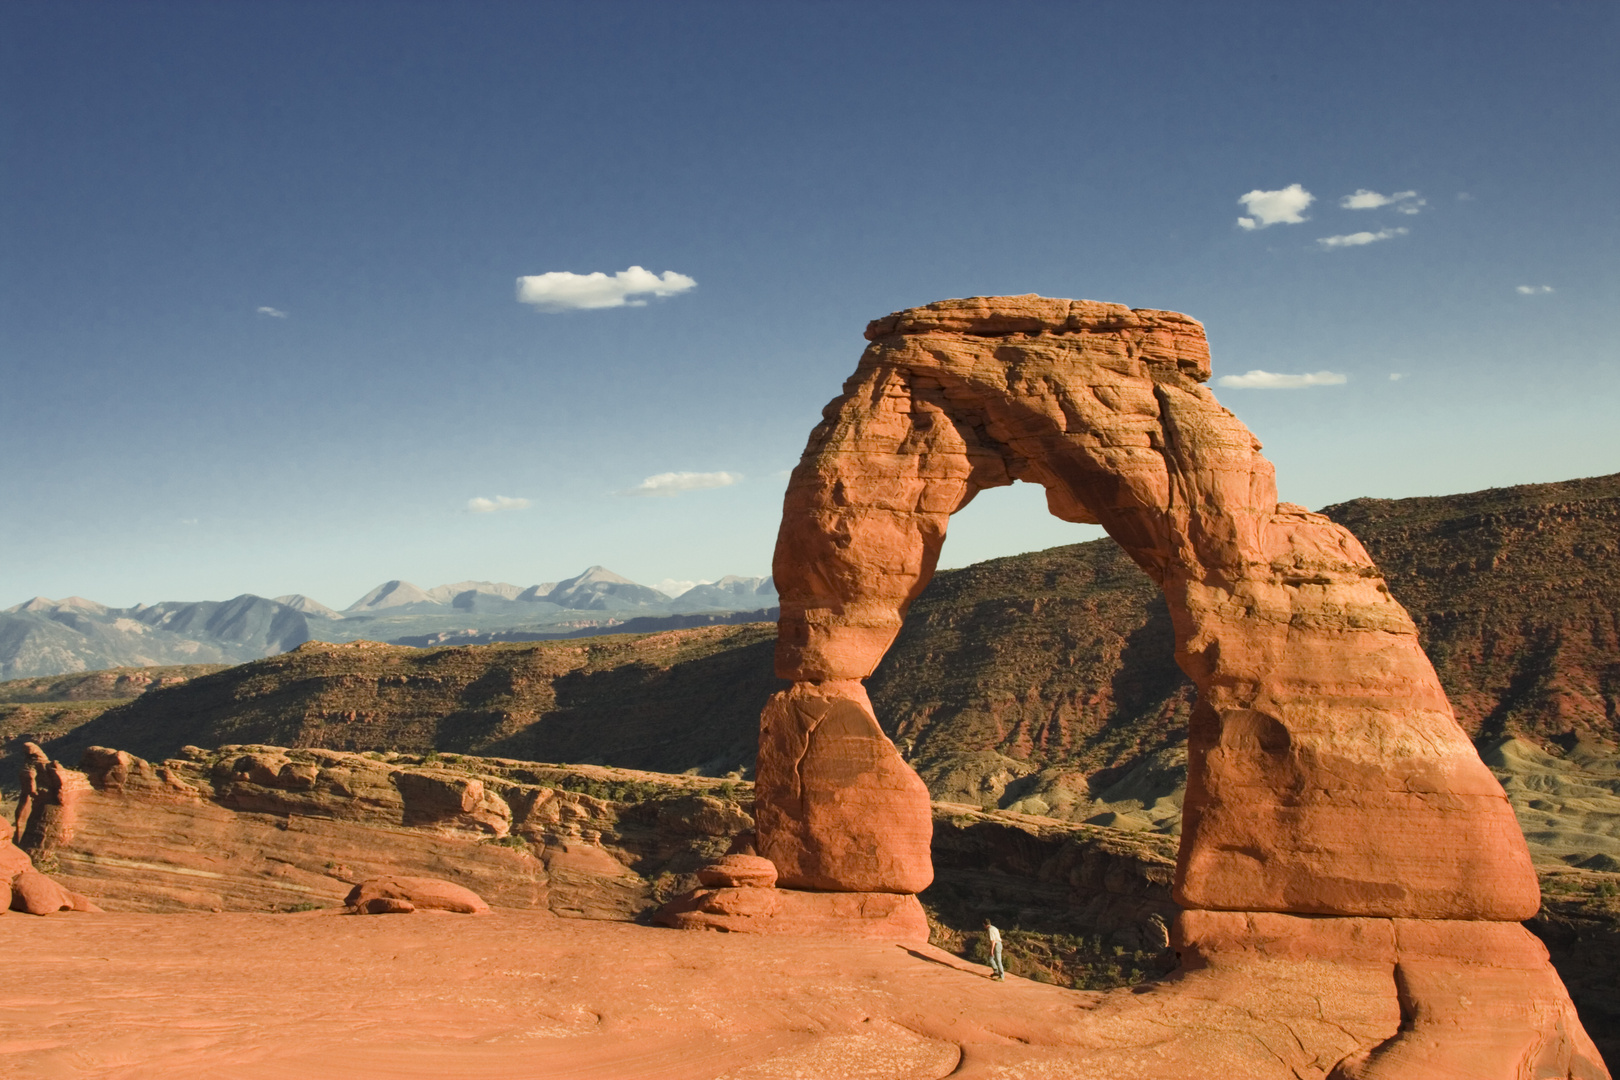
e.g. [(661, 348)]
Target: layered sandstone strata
[(256, 828)]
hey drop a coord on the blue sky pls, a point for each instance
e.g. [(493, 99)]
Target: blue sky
[(259, 329)]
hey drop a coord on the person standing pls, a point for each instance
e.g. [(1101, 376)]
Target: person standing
[(995, 951)]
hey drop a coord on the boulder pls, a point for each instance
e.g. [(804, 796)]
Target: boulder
[(36, 894), (420, 893), (385, 905), (13, 859)]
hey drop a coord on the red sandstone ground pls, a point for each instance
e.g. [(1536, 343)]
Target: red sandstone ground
[(516, 994), (513, 993)]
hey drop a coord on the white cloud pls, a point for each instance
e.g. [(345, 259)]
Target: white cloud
[(672, 588), (482, 505), (1533, 290), (272, 312), (1356, 239), (560, 290), (673, 483), (1395, 376), (1406, 202), (1280, 207), (1270, 380)]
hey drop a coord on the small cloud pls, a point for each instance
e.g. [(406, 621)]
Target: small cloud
[(673, 483), (274, 313), (1405, 202), (1270, 380), (560, 290), (1463, 196), (1396, 376), (672, 588), (1533, 290), (1280, 207), (188, 521), (1357, 239), (482, 505)]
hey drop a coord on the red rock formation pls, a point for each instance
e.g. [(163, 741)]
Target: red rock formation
[(25, 889), (267, 828), (739, 872), (837, 808), (393, 894), (1326, 771), (881, 916), (1326, 774)]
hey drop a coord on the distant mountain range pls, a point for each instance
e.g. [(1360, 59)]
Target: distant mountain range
[(50, 637)]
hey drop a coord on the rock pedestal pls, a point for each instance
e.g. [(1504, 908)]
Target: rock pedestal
[(875, 915)]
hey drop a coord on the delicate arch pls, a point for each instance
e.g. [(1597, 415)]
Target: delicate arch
[(1326, 771)]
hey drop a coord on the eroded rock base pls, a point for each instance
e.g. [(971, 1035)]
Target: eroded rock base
[(875, 916), (837, 807), (1470, 998)]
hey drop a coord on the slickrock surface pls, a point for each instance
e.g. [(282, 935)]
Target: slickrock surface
[(275, 829), (524, 993), (739, 872)]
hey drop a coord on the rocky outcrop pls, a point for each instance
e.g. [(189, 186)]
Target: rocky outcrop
[(879, 916), (393, 894), (23, 888), (1327, 774), (257, 828)]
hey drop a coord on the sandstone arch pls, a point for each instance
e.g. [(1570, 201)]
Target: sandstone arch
[(1327, 775), (1326, 772)]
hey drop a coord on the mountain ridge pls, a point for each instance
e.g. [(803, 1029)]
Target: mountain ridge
[(41, 636)]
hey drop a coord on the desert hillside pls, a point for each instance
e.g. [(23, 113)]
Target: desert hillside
[(1042, 682)]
